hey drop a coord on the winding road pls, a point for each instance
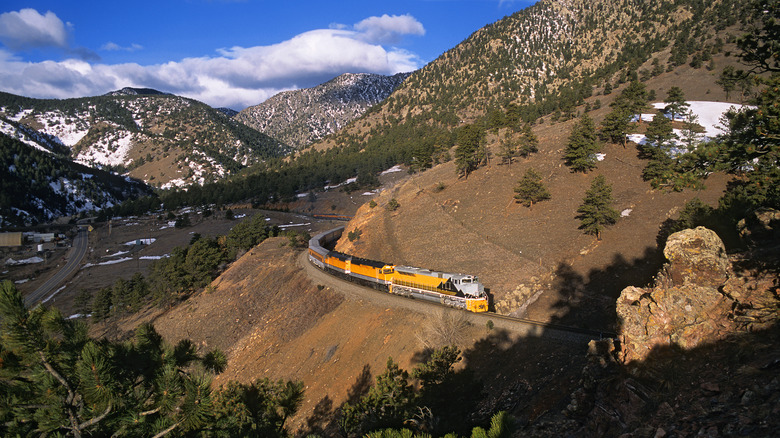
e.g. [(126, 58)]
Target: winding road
[(77, 253), (519, 326)]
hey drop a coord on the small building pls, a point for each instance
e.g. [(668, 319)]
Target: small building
[(42, 237), (11, 239)]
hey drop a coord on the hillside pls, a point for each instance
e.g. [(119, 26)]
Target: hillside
[(536, 261), (38, 186), (164, 140), (301, 117)]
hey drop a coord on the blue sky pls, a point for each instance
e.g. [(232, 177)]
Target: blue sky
[(232, 53)]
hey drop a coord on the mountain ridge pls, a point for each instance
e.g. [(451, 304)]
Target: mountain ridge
[(300, 117), (163, 139)]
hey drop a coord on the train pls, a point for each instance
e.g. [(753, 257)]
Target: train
[(455, 290)]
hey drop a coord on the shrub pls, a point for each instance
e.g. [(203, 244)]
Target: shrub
[(392, 205)]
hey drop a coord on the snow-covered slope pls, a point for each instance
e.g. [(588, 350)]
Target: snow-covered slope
[(706, 114), (143, 133), (301, 117), (37, 185)]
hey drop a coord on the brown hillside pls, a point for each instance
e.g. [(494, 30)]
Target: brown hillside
[(273, 321), (536, 261)]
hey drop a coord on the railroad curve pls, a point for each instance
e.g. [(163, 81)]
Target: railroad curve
[(356, 292)]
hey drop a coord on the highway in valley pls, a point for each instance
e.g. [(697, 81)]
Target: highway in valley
[(77, 253)]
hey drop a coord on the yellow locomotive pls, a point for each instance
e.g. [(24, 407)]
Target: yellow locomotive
[(456, 290)]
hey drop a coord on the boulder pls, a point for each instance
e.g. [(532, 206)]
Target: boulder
[(686, 307), (696, 257)]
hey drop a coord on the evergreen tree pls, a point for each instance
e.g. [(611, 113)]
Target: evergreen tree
[(530, 189), (689, 134), (659, 149), (582, 146), (675, 102), (636, 97), (470, 153), (56, 380), (388, 403), (751, 151), (507, 149), (596, 211), (760, 46), (615, 125), (529, 143)]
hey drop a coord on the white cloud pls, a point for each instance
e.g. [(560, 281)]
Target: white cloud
[(27, 28), (388, 29), (114, 47), (235, 77)]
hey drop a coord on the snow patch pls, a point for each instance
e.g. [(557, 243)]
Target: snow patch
[(148, 241), (110, 150), (395, 168), (53, 294), (29, 261)]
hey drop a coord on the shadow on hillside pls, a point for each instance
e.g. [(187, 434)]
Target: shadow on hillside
[(730, 387), (324, 420), (589, 301)]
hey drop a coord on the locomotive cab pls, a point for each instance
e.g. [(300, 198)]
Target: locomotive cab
[(470, 286)]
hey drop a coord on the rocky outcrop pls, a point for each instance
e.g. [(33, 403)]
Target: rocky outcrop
[(696, 298), (685, 307), (697, 352)]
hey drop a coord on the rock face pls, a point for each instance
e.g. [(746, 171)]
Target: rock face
[(721, 376), (697, 297), (685, 307), (696, 257)]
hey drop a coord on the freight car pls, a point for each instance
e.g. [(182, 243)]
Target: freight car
[(456, 290)]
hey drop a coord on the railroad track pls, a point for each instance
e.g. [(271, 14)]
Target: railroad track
[(524, 327)]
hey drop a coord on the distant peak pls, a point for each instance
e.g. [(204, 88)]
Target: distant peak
[(131, 91)]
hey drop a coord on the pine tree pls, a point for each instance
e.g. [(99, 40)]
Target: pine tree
[(596, 211), (615, 125), (529, 143), (675, 102), (507, 149), (582, 146), (56, 380), (471, 151), (530, 189), (658, 149), (636, 97)]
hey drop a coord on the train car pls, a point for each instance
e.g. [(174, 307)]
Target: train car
[(457, 290)]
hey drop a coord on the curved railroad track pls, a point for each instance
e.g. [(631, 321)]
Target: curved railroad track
[(523, 327)]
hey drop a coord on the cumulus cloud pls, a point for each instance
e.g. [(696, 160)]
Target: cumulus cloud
[(235, 77), (27, 28), (388, 29)]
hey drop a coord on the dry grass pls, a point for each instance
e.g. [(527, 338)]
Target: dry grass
[(446, 328)]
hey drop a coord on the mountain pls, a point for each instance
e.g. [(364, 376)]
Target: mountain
[(131, 91), (39, 186), (159, 138), (548, 58), (301, 117)]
